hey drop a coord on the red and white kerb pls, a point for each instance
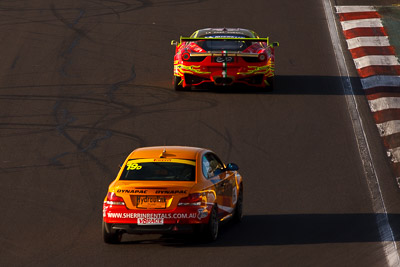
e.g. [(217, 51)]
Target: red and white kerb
[(379, 70)]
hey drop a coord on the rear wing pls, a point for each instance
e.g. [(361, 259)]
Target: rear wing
[(184, 39)]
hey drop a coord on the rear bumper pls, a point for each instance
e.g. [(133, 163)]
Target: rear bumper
[(154, 229), (252, 74), (257, 80), (120, 215)]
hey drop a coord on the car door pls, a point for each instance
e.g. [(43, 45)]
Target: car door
[(224, 182)]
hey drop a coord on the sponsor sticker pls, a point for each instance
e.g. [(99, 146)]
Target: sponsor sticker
[(148, 216), (150, 221), (171, 191), (134, 164), (224, 36), (202, 213), (148, 202), (132, 191)]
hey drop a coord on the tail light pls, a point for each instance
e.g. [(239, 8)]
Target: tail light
[(186, 56), (262, 57), (195, 199), (113, 199)]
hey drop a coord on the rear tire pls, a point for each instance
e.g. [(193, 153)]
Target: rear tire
[(110, 236), (211, 230)]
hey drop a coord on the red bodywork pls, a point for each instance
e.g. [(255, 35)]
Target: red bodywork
[(252, 66)]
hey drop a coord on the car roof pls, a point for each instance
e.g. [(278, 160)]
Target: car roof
[(181, 152), (227, 31)]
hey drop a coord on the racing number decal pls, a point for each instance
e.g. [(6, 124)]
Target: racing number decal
[(133, 166)]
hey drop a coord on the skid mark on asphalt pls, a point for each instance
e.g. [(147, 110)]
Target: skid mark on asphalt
[(378, 66), (14, 63), (51, 127), (115, 86), (225, 137), (67, 113), (29, 12), (70, 25), (78, 35), (95, 8), (88, 141), (63, 119)]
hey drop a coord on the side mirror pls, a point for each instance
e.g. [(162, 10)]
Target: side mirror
[(173, 42), (274, 44), (232, 167)]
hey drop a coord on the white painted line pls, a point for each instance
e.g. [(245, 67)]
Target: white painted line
[(378, 203), (389, 127), (350, 9), (380, 80), (361, 23), (384, 103), (394, 154), (376, 60), (368, 41)]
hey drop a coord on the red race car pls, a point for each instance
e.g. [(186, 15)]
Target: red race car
[(224, 56)]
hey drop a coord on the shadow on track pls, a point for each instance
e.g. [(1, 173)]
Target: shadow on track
[(290, 85), (295, 229)]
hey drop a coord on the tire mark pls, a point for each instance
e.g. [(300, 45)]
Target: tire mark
[(127, 6), (123, 7), (115, 86), (73, 44), (79, 34), (14, 63), (84, 100), (54, 161), (69, 25), (226, 137), (64, 120), (74, 127), (24, 133), (65, 116), (93, 142), (113, 10), (173, 97), (89, 137), (163, 96)]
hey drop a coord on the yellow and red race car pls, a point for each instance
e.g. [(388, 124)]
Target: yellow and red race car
[(224, 56), (172, 189)]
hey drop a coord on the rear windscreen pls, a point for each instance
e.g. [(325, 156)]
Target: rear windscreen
[(159, 170), (229, 45)]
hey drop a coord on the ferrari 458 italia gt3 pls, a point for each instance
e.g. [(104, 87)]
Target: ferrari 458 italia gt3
[(224, 56)]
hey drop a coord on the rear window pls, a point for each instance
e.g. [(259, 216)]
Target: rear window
[(159, 170), (217, 45)]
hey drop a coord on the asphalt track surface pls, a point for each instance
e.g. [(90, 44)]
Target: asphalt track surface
[(83, 83)]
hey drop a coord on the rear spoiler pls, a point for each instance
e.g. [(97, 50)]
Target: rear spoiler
[(184, 39)]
